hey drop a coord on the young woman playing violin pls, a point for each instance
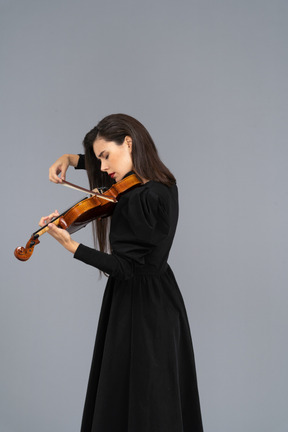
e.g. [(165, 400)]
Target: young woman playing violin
[(142, 376)]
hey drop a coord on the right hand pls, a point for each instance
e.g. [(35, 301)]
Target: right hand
[(59, 167)]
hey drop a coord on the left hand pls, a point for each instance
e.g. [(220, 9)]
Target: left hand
[(61, 235)]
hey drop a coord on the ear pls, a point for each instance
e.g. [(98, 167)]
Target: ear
[(128, 141)]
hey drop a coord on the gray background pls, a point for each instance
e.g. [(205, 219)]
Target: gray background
[(209, 81)]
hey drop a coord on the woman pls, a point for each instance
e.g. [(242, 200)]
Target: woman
[(142, 376)]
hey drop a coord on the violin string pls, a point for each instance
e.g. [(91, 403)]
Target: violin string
[(44, 229)]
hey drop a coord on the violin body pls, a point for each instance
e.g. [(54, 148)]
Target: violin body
[(83, 212)]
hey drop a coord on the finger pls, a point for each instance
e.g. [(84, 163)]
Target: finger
[(44, 221), (55, 179), (41, 223), (52, 228), (54, 231), (63, 173), (53, 174), (53, 215), (47, 219), (59, 234)]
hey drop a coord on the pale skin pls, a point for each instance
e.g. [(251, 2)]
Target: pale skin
[(116, 160)]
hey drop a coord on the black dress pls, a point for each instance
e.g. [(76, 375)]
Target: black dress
[(142, 376)]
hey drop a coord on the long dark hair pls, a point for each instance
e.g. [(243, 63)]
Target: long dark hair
[(145, 159)]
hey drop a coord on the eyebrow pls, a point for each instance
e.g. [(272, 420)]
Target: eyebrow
[(99, 156)]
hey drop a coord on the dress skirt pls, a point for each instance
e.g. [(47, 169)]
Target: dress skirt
[(143, 376)]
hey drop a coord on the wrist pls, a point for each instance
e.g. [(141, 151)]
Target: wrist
[(72, 246), (72, 159)]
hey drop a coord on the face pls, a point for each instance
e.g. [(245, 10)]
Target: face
[(116, 160)]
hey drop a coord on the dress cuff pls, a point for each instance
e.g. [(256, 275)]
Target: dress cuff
[(81, 162)]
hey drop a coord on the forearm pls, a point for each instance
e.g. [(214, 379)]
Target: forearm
[(111, 264), (73, 159)]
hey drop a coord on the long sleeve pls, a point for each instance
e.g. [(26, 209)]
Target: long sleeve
[(112, 264), (81, 162)]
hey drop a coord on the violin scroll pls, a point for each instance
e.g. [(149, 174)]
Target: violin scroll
[(24, 253)]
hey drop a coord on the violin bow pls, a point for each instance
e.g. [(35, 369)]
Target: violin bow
[(90, 192)]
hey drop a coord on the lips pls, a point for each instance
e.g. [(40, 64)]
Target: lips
[(112, 175)]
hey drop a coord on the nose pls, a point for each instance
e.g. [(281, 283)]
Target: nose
[(104, 165)]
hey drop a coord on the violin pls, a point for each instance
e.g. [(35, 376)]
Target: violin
[(80, 214)]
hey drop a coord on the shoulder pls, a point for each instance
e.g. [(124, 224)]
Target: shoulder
[(152, 195), (146, 208)]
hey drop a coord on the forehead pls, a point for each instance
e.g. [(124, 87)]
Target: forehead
[(99, 145)]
